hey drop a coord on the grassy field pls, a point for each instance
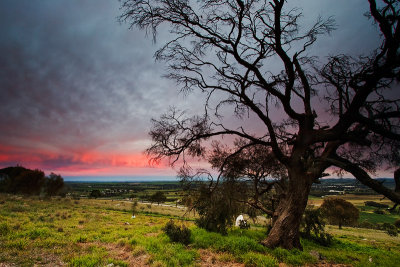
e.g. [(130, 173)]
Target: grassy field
[(89, 232)]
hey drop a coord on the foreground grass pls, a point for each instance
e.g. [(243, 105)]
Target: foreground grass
[(101, 232)]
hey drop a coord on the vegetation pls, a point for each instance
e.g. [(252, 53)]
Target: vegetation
[(176, 233), (340, 212), (216, 209), (98, 232), (335, 112), (95, 193), (19, 180), (313, 227), (158, 197), (376, 204)]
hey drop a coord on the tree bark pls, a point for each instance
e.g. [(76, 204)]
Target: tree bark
[(397, 180), (286, 224)]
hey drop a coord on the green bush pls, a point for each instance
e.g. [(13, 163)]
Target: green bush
[(313, 227), (390, 229), (243, 224), (376, 204), (367, 224), (177, 234), (397, 223), (378, 211)]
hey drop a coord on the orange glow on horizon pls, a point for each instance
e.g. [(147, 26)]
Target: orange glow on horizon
[(87, 163)]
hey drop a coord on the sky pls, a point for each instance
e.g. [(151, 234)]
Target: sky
[(78, 89)]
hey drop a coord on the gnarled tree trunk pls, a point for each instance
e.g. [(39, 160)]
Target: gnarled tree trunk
[(288, 215)]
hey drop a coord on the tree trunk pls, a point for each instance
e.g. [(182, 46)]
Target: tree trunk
[(397, 180), (287, 217)]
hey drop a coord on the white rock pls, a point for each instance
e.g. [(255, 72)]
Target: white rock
[(238, 219)]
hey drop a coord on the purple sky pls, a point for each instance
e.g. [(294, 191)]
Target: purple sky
[(78, 89)]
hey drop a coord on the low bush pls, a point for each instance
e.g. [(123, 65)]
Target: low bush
[(176, 233), (392, 231), (367, 224), (397, 223), (389, 228), (243, 224), (378, 211), (376, 204)]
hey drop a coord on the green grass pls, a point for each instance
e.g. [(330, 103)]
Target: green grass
[(378, 218), (92, 232)]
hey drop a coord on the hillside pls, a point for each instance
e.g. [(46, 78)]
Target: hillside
[(90, 232)]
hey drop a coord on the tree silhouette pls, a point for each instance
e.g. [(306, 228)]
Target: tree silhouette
[(158, 197), (95, 193), (53, 184), (229, 50)]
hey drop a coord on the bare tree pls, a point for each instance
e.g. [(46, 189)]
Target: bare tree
[(227, 49)]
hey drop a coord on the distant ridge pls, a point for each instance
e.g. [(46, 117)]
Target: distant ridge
[(120, 179)]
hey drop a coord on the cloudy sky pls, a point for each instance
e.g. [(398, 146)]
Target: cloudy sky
[(78, 89)]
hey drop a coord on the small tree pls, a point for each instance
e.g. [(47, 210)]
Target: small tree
[(134, 207), (216, 207), (158, 197), (339, 211), (313, 227), (30, 182), (53, 184), (95, 193)]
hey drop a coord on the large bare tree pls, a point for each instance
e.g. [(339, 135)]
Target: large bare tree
[(252, 55)]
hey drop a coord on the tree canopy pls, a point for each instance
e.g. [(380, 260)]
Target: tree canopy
[(340, 212), (20, 180)]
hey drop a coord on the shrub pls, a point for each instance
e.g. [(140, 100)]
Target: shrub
[(243, 224), (95, 193), (177, 234), (397, 223), (378, 211), (390, 229), (313, 227), (367, 224), (376, 204), (216, 208)]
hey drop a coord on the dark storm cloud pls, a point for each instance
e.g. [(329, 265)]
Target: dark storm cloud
[(71, 76), (76, 87)]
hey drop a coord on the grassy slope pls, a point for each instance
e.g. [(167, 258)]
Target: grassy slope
[(100, 232)]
